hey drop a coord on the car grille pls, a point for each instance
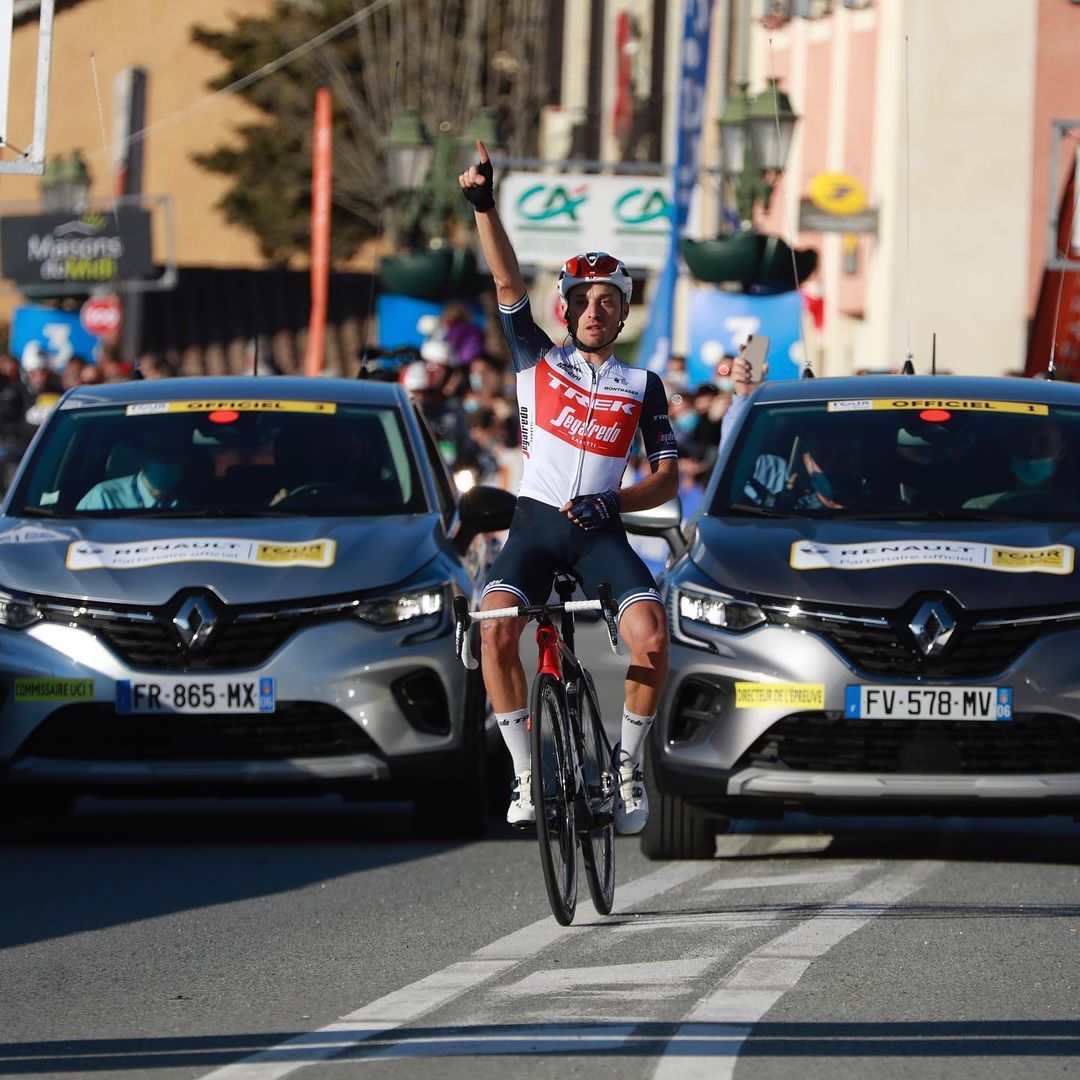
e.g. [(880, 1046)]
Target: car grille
[(94, 732), (879, 642), (828, 742), (145, 639)]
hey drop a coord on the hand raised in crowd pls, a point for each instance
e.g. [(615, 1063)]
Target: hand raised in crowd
[(478, 180), (741, 373)]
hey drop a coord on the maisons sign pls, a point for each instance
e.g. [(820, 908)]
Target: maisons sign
[(61, 249)]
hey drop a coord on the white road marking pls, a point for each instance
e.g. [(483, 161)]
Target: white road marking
[(756, 844), (660, 978), (707, 1045), (765, 881), (411, 1002)]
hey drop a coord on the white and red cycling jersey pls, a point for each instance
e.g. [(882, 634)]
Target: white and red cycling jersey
[(578, 422)]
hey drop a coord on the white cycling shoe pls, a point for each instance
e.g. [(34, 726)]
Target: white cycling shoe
[(522, 813), (631, 799)]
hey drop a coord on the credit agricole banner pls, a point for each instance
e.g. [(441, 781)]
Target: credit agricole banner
[(47, 249), (551, 216)]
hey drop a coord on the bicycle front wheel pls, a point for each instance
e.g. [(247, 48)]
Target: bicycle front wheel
[(553, 795), (598, 841)]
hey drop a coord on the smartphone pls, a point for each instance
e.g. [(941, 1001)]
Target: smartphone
[(755, 354)]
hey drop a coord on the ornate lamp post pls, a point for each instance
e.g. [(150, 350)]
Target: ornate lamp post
[(755, 135), (422, 173)]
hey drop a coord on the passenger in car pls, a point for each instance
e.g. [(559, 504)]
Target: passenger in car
[(157, 482), (1035, 461)]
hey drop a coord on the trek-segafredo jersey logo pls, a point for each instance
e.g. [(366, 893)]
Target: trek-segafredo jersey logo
[(562, 408)]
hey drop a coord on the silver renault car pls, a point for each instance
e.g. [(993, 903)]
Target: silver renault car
[(240, 584), (879, 609)]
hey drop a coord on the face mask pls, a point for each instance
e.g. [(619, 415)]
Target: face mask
[(162, 476), (685, 422), (1031, 472), (476, 382)]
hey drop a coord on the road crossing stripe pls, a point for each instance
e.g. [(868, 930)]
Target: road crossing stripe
[(765, 881), (707, 1044), (432, 992)]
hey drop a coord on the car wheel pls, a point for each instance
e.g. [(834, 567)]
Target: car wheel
[(675, 829), (454, 806)]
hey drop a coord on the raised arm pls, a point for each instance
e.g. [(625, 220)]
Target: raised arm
[(476, 185)]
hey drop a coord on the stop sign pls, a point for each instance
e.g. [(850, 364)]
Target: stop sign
[(101, 315)]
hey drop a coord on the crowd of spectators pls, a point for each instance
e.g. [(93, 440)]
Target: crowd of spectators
[(465, 387)]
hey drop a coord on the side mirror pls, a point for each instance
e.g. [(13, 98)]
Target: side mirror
[(482, 509), (664, 521)]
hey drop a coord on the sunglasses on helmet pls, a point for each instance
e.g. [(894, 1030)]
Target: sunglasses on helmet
[(591, 265)]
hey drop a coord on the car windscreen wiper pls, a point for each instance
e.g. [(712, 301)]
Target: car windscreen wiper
[(949, 515), (37, 511), (751, 510)]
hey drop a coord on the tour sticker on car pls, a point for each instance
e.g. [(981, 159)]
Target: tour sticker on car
[(149, 408), (883, 554), (1026, 408), (929, 703), (196, 694), (84, 555), (31, 689), (753, 695)]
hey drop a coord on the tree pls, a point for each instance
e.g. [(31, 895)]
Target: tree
[(446, 57)]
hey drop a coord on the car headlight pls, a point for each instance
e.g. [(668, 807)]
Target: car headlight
[(17, 612), (717, 610), (402, 607)]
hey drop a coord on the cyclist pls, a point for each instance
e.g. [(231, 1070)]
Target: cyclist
[(580, 408)]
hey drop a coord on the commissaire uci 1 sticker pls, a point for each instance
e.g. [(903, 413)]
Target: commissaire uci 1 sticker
[(1026, 408), (31, 689), (883, 554), (83, 555), (148, 408), (753, 695)]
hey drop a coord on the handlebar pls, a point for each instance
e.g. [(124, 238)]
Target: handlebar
[(464, 618)]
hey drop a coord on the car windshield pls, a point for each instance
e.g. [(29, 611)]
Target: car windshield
[(885, 458), (241, 458)]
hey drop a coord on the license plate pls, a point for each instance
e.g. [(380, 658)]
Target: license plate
[(928, 703), (179, 694)]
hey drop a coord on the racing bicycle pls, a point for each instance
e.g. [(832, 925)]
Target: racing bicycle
[(573, 781)]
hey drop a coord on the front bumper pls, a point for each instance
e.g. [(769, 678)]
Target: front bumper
[(715, 755), (342, 718)]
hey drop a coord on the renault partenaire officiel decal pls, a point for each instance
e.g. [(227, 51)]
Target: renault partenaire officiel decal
[(84, 555), (883, 554)]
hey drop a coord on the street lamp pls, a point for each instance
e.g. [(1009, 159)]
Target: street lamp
[(755, 135), (422, 174), (65, 184)]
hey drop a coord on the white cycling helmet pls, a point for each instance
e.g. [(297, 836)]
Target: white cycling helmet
[(592, 267)]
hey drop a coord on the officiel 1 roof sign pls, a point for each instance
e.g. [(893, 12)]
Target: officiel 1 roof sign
[(1028, 408)]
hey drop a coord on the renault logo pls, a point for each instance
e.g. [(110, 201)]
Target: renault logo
[(932, 627), (195, 621)]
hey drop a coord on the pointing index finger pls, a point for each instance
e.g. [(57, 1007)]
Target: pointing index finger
[(483, 152)]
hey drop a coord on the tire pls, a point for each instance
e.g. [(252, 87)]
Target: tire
[(455, 807), (552, 796), (675, 829), (598, 843)]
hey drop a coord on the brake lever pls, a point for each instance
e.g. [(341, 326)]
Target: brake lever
[(609, 611), (462, 623)]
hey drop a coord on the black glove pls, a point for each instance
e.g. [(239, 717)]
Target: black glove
[(592, 511), (482, 198)]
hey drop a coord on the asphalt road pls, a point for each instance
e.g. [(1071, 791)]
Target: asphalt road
[(243, 942)]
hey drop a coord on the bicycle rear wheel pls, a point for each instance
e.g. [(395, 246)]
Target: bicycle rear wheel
[(598, 842), (553, 795)]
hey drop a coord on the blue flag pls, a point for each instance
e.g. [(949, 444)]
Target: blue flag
[(656, 341)]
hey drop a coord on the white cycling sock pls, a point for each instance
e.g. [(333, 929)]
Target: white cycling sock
[(514, 728), (634, 730)]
